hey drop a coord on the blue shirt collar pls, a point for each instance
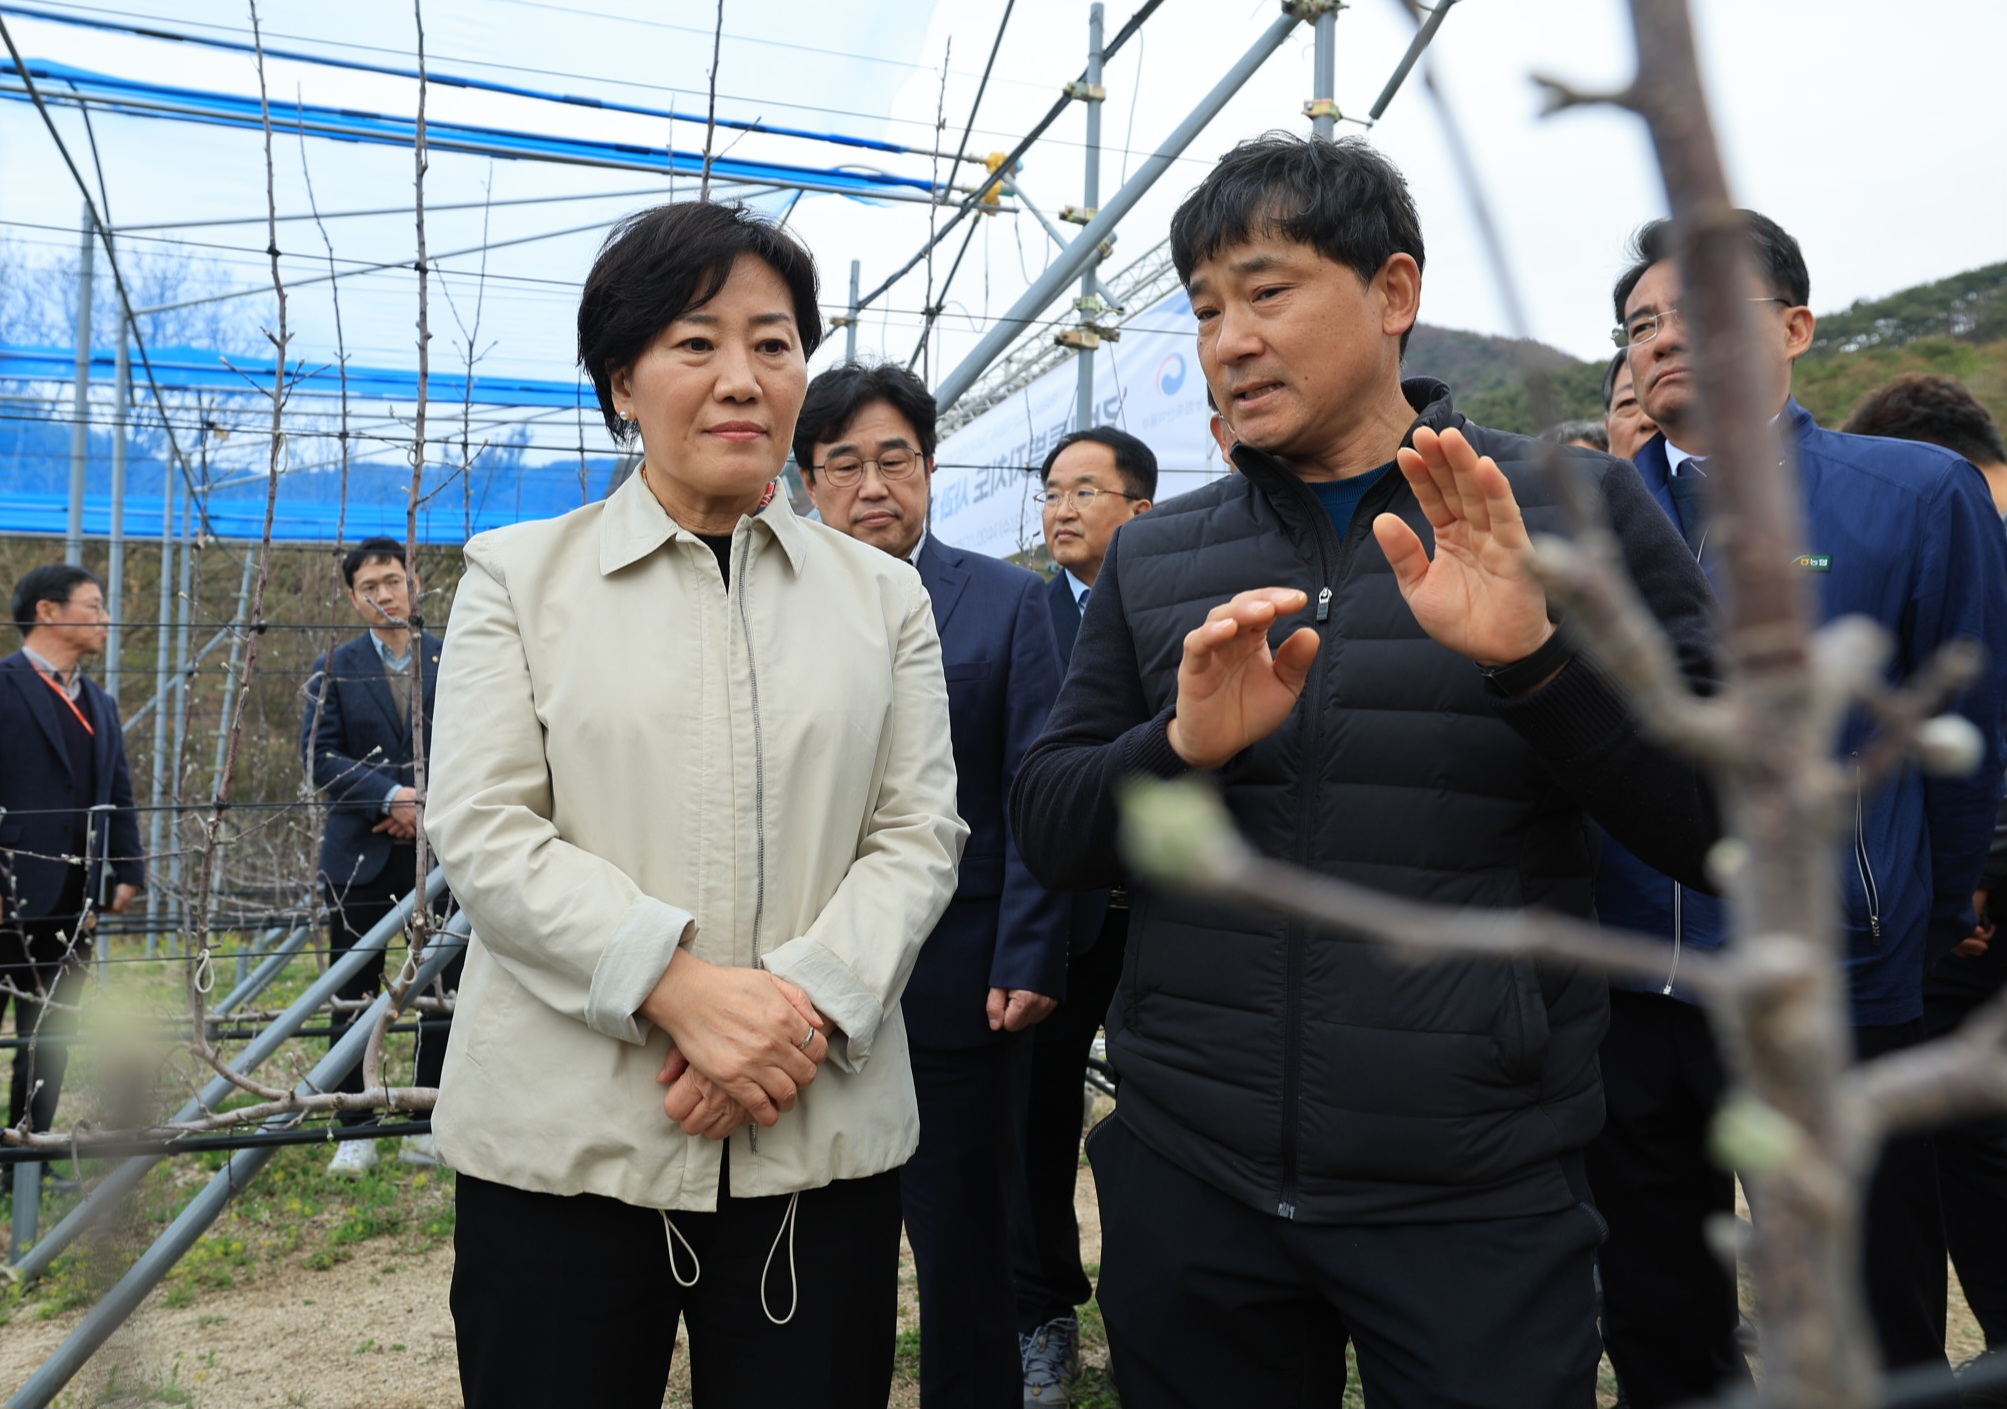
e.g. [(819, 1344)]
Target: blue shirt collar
[(402, 662)]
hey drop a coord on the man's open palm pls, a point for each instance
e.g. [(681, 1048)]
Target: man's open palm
[(1232, 690), (1475, 595)]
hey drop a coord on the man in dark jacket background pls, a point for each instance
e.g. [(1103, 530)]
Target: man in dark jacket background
[(69, 838), (357, 740), (1317, 1141), (995, 964), (1905, 535), (1095, 480)]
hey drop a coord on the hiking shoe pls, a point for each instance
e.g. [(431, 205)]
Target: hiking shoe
[(422, 1150), (353, 1159), (1051, 1357)]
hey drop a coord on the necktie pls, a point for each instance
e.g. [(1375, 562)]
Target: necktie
[(1689, 495), (1085, 593)]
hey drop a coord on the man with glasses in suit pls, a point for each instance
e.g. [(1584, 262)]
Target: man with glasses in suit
[(1094, 481), (995, 965), (69, 838)]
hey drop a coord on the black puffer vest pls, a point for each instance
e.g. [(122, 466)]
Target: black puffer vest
[(1319, 1077)]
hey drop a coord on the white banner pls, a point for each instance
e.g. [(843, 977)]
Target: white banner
[(1148, 384)]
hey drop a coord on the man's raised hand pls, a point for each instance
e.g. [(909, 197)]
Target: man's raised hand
[(1476, 596), (1232, 690)]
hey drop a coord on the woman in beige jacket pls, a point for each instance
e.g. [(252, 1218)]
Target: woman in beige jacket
[(692, 783)]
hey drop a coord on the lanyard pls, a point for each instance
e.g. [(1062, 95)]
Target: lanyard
[(64, 696)]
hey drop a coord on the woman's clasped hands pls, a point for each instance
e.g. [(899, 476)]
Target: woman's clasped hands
[(743, 1044)]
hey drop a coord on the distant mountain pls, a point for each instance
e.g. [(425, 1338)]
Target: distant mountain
[(1475, 363), (1969, 307)]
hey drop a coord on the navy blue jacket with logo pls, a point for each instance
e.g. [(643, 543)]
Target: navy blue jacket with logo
[(1905, 534)]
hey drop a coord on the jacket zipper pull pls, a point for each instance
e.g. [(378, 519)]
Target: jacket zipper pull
[(1324, 605)]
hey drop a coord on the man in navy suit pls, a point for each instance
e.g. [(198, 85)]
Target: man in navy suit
[(996, 963), (357, 740), (1095, 481), (67, 827)]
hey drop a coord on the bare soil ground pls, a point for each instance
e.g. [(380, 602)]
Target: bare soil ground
[(321, 1295), (372, 1331)]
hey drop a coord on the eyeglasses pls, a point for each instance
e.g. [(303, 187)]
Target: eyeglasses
[(1643, 328), (1083, 498), (847, 470)]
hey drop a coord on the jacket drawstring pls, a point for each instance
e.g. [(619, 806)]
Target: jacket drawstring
[(787, 1226), (673, 1235)]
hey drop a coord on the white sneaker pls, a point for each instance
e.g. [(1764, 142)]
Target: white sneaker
[(353, 1159), (420, 1150)]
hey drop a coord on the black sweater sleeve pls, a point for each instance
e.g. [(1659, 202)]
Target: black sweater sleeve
[(1101, 731), (1659, 804)]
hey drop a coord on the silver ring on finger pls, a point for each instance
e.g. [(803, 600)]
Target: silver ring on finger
[(802, 1045)]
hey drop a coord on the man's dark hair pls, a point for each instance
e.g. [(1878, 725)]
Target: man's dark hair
[(1918, 406), (1135, 461), (1610, 378), (1566, 432), (1343, 198), (1779, 261), (51, 582), (835, 398), (367, 551), (660, 264)]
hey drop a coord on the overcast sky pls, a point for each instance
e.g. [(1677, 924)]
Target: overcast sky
[(1871, 131)]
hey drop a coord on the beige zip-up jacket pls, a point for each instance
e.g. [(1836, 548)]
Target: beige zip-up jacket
[(628, 757)]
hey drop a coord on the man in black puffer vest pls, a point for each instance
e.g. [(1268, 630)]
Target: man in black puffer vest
[(1317, 1141)]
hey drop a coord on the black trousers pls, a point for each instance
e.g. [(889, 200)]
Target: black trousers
[(956, 1195), (47, 960), (574, 1301), (1902, 1231), (1669, 1307), (355, 910), (1209, 1302), (1972, 1174), (1045, 1235)]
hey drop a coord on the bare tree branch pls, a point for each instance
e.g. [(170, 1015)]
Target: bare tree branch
[(711, 104), (1958, 1076)]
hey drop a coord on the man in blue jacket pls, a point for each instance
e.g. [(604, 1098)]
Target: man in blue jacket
[(996, 963), (1906, 535), (69, 839), (358, 743)]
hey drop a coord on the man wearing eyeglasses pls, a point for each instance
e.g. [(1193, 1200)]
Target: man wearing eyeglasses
[(996, 963), (69, 838), (1094, 481), (1904, 534)]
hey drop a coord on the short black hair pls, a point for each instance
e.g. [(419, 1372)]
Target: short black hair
[(835, 397), (1919, 406), (1341, 197), (1564, 432), (661, 263), (366, 551), (1610, 379), (1778, 259), (51, 582), (1135, 461)]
